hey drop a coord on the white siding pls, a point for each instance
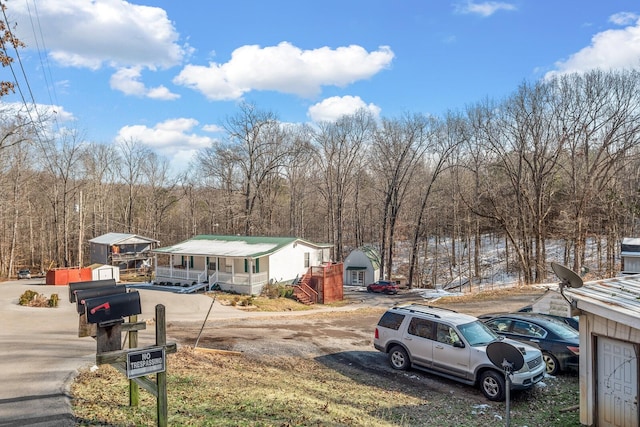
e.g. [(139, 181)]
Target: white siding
[(593, 327), (631, 264), (357, 258), (288, 263), (106, 272)]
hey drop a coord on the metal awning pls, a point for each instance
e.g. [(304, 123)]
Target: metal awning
[(356, 268)]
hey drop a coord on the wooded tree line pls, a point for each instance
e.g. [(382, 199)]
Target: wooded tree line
[(557, 159)]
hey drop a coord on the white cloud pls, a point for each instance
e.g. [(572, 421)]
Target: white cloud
[(484, 9), (90, 34), (624, 18), (127, 81), (284, 68), (213, 128), (171, 138), (331, 109), (161, 92), (610, 49), (42, 113)]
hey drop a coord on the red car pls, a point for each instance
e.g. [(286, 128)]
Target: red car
[(383, 286)]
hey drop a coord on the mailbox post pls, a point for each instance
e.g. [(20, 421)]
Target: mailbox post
[(102, 308)]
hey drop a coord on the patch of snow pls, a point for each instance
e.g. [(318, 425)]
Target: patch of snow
[(481, 406)]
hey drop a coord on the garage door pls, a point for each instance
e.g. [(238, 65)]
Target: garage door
[(617, 391)]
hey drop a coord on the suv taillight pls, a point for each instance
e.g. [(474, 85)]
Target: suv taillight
[(574, 350), (376, 334)]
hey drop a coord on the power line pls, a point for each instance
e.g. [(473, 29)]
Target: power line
[(13, 39), (43, 62)]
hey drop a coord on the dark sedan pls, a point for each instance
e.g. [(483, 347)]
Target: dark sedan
[(559, 343), (574, 321), (384, 286)]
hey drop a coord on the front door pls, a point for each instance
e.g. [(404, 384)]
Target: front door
[(357, 277), (617, 388)]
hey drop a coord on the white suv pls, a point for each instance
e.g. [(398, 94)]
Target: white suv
[(452, 345)]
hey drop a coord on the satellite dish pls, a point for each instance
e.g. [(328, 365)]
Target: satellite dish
[(505, 356), (567, 277)]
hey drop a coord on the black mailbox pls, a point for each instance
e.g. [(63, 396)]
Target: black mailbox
[(112, 308), (76, 286), (85, 294)]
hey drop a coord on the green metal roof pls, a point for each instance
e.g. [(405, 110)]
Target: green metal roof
[(373, 255), (232, 246)]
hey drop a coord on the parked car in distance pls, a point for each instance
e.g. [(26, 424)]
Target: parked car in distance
[(384, 286), (24, 274), (574, 322), (452, 345), (559, 343)]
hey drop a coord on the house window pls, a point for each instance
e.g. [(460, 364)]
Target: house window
[(187, 261), (255, 268), (306, 260)]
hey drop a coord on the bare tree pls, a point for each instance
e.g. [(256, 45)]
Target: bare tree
[(258, 148), (160, 193), (340, 149), (62, 161), (99, 163), (601, 132), (220, 174), (134, 156), (441, 140), (397, 149)]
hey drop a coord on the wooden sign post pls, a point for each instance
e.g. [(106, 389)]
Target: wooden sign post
[(137, 363)]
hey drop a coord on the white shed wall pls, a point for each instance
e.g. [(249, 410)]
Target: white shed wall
[(106, 272), (591, 327), (357, 258)]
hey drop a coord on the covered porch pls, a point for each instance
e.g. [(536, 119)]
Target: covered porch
[(242, 275)]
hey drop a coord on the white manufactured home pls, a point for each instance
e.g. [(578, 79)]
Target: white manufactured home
[(242, 264)]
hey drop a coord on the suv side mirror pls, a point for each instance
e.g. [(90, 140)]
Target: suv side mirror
[(458, 344)]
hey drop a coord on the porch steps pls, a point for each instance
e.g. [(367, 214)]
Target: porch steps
[(304, 293)]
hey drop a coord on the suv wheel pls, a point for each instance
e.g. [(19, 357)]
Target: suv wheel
[(398, 358), (492, 385)]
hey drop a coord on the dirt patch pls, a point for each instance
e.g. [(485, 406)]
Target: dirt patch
[(342, 336), (314, 333)]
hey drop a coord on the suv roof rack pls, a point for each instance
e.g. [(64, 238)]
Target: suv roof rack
[(413, 307)]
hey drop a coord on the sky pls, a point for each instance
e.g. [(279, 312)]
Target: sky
[(167, 74)]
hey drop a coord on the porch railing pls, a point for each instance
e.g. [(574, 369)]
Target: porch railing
[(239, 278), (179, 274)]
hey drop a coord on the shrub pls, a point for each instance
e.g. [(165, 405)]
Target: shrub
[(274, 290), (53, 301), (27, 297), (33, 299)]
